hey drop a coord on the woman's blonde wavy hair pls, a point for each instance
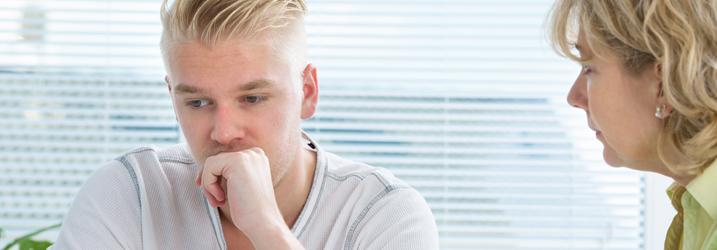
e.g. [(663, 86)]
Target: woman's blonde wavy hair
[(212, 21), (681, 37)]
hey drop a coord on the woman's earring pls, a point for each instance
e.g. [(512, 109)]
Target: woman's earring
[(659, 111)]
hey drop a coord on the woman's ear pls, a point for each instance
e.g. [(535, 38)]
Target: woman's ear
[(662, 109)]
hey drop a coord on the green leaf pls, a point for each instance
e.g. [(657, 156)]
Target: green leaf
[(26, 241), (29, 244)]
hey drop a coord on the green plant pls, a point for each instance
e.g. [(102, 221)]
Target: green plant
[(26, 242)]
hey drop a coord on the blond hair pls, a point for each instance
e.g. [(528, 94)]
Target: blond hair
[(213, 21), (680, 36)]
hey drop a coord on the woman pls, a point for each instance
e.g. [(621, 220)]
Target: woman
[(648, 85)]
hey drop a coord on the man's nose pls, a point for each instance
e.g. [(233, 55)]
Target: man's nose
[(228, 125)]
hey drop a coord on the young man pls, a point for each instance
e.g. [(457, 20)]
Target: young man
[(249, 178)]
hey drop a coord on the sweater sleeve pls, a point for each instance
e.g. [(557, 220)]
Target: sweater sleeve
[(105, 213)]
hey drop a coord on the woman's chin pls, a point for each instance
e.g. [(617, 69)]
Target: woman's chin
[(611, 158)]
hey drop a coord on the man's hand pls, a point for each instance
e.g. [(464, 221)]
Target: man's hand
[(241, 184)]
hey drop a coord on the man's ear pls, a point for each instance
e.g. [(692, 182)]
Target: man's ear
[(310, 92)]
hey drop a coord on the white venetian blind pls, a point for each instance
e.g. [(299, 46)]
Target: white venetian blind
[(463, 99), (80, 82)]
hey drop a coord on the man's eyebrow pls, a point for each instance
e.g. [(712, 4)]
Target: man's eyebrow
[(256, 84), (184, 88), (253, 85)]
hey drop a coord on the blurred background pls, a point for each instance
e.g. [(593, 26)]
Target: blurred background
[(463, 99)]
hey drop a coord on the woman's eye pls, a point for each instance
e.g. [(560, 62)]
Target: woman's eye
[(197, 103)]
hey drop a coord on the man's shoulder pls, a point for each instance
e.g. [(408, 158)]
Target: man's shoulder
[(151, 164), (178, 153), (151, 173), (369, 201), (349, 172), (357, 184), (152, 158)]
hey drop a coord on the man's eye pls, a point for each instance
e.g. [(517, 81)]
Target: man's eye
[(197, 103), (252, 99)]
